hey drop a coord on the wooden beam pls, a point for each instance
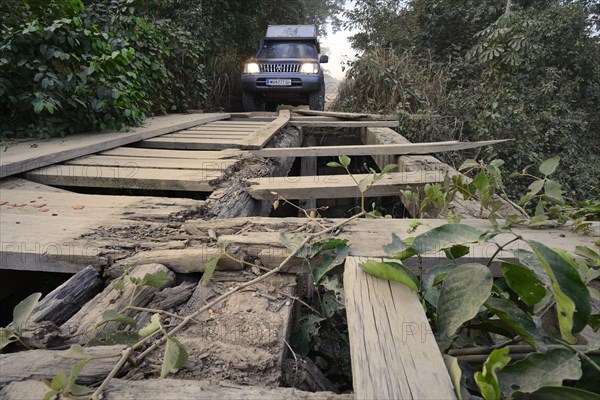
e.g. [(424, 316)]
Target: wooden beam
[(345, 115), (125, 389), (158, 163), (161, 153), (189, 143), (126, 177), (32, 154), (261, 137), (336, 186), (345, 124), (372, 150), (392, 347)]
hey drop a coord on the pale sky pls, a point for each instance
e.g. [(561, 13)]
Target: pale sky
[(338, 49)]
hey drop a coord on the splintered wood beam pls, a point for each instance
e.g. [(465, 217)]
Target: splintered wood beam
[(346, 115), (337, 186), (260, 138), (32, 154), (393, 350), (375, 149), (343, 124)]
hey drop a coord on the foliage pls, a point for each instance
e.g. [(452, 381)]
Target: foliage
[(529, 72), (21, 314)]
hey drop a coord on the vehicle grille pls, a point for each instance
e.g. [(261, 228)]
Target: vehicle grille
[(280, 68)]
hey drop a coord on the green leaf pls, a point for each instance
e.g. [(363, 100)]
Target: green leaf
[(157, 280), (468, 164), (535, 187), (75, 352), (553, 191), (465, 289), (391, 271), (344, 160), (399, 249), (549, 166), (59, 381), (365, 183), (75, 371), (80, 390), (7, 337), (455, 373), (51, 394), (524, 283), (152, 326), (457, 251), (334, 164), (307, 328), (38, 106), (487, 379), (481, 182), (23, 310), (562, 393), (590, 255), (538, 370), (118, 284), (430, 277), (209, 270), (571, 294), (127, 338), (326, 245), (517, 319), (531, 261), (445, 237), (388, 168), (175, 357), (329, 261), (113, 315)]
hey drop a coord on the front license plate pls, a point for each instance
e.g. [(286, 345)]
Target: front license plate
[(279, 82)]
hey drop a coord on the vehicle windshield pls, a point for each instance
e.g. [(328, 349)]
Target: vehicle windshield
[(287, 50)]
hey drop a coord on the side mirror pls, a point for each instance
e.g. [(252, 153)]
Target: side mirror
[(324, 59)]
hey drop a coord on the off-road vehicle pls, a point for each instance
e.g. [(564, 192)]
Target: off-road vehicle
[(285, 70)]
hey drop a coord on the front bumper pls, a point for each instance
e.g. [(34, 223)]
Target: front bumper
[(301, 83)]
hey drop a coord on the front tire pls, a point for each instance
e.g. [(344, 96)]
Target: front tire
[(251, 102), (316, 100)]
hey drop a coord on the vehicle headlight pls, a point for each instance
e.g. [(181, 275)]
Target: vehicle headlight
[(251, 68), (309, 68)]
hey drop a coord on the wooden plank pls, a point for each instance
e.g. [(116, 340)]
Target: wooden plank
[(336, 186), (160, 163), (13, 183), (66, 240), (381, 149), (345, 115), (189, 144), (345, 124), (392, 347), (33, 154), (171, 389), (159, 153), (208, 135), (261, 137), (125, 177)]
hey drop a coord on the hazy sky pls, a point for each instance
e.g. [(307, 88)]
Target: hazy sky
[(338, 49)]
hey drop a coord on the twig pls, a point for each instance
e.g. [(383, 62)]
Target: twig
[(156, 311), (124, 356)]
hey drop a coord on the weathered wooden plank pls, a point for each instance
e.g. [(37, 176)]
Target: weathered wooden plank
[(63, 302), (36, 365), (221, 129), (64, 239), (189, 144), (344, 124), (345, 115), (175, 389), (373, 150), (126, 177), (393, 350), (148, 162), (81, 325), (180, 154), (260, 237), (13, 183), (336, 186), (261, 137), (34, 154), (407, 163)]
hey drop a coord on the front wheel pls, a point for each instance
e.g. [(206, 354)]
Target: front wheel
[(316, 100), (250, 102)]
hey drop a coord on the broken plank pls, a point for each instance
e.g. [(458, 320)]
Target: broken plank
[(336, 186), (32, 154), (392, 347), (171, 389), (344, 124), (37, 365), (125, 177), (261, 137), (160, 163), (374, 149), (346, 115), (178, 154)]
